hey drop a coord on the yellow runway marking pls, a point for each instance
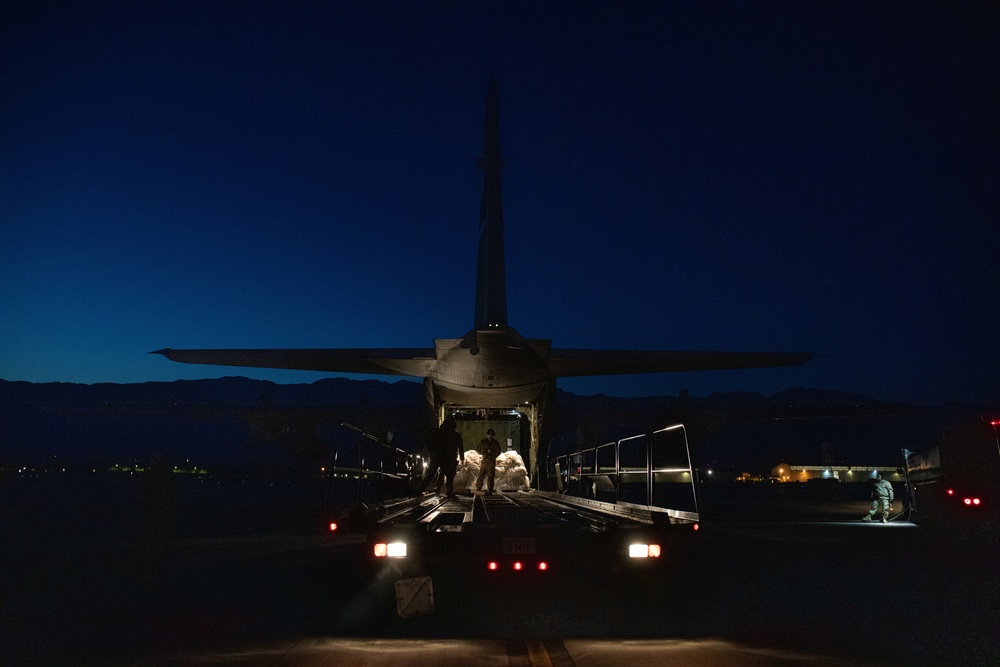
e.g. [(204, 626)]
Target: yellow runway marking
[(537, 654)]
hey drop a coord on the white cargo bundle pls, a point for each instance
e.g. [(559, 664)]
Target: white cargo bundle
[(511, 475)]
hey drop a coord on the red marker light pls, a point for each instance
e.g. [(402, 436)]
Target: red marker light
[(968, 501), (696, 527), (492, 565), (519, 565), (333, 526), (951, 492), (543, 565), (975, 501)]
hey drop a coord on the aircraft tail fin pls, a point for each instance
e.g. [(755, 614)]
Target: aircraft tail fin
[(491, 278)]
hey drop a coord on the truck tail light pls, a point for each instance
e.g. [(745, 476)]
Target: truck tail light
[(518, 566)]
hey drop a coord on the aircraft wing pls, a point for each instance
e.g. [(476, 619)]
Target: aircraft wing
[(573, 363), (374, 361)]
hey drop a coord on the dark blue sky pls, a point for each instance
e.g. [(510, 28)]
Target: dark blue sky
[(782, 176)]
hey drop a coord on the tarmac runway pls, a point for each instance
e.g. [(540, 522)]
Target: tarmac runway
[(324, 651), (760, 592)]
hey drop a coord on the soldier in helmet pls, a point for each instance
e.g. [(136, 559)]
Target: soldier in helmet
[(444, 446), (881, 498), (489, 449)]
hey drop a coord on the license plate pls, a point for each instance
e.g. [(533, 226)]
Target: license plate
[(519, 545)]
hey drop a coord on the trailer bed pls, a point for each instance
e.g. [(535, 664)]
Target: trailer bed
[(523, 531)]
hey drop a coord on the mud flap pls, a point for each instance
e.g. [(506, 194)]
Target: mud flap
[(414, 597)]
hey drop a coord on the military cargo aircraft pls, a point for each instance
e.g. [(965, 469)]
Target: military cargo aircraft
[(492, 366)]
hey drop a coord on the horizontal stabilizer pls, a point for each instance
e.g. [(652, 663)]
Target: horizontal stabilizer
[(416, 362), (575, 363)]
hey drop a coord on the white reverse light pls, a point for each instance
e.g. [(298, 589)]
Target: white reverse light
[(390, 550), (644, 551)]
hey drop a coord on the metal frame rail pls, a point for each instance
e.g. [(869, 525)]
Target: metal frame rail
[(579, 473), (373, 457)]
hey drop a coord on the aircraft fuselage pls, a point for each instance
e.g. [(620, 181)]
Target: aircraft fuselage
[(490, 368)]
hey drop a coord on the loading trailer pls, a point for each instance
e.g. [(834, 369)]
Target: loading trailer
[(630, 503)]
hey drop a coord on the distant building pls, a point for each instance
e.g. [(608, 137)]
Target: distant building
[(784, 472)]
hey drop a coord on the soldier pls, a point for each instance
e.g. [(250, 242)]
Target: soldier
[(444, 445), (881, 495), (489, 449)]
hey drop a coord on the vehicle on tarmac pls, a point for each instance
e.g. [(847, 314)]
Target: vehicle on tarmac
[(630, 505), (954, 486)]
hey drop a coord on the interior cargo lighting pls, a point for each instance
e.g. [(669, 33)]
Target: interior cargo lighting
[(390, 550), (644, 551)]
